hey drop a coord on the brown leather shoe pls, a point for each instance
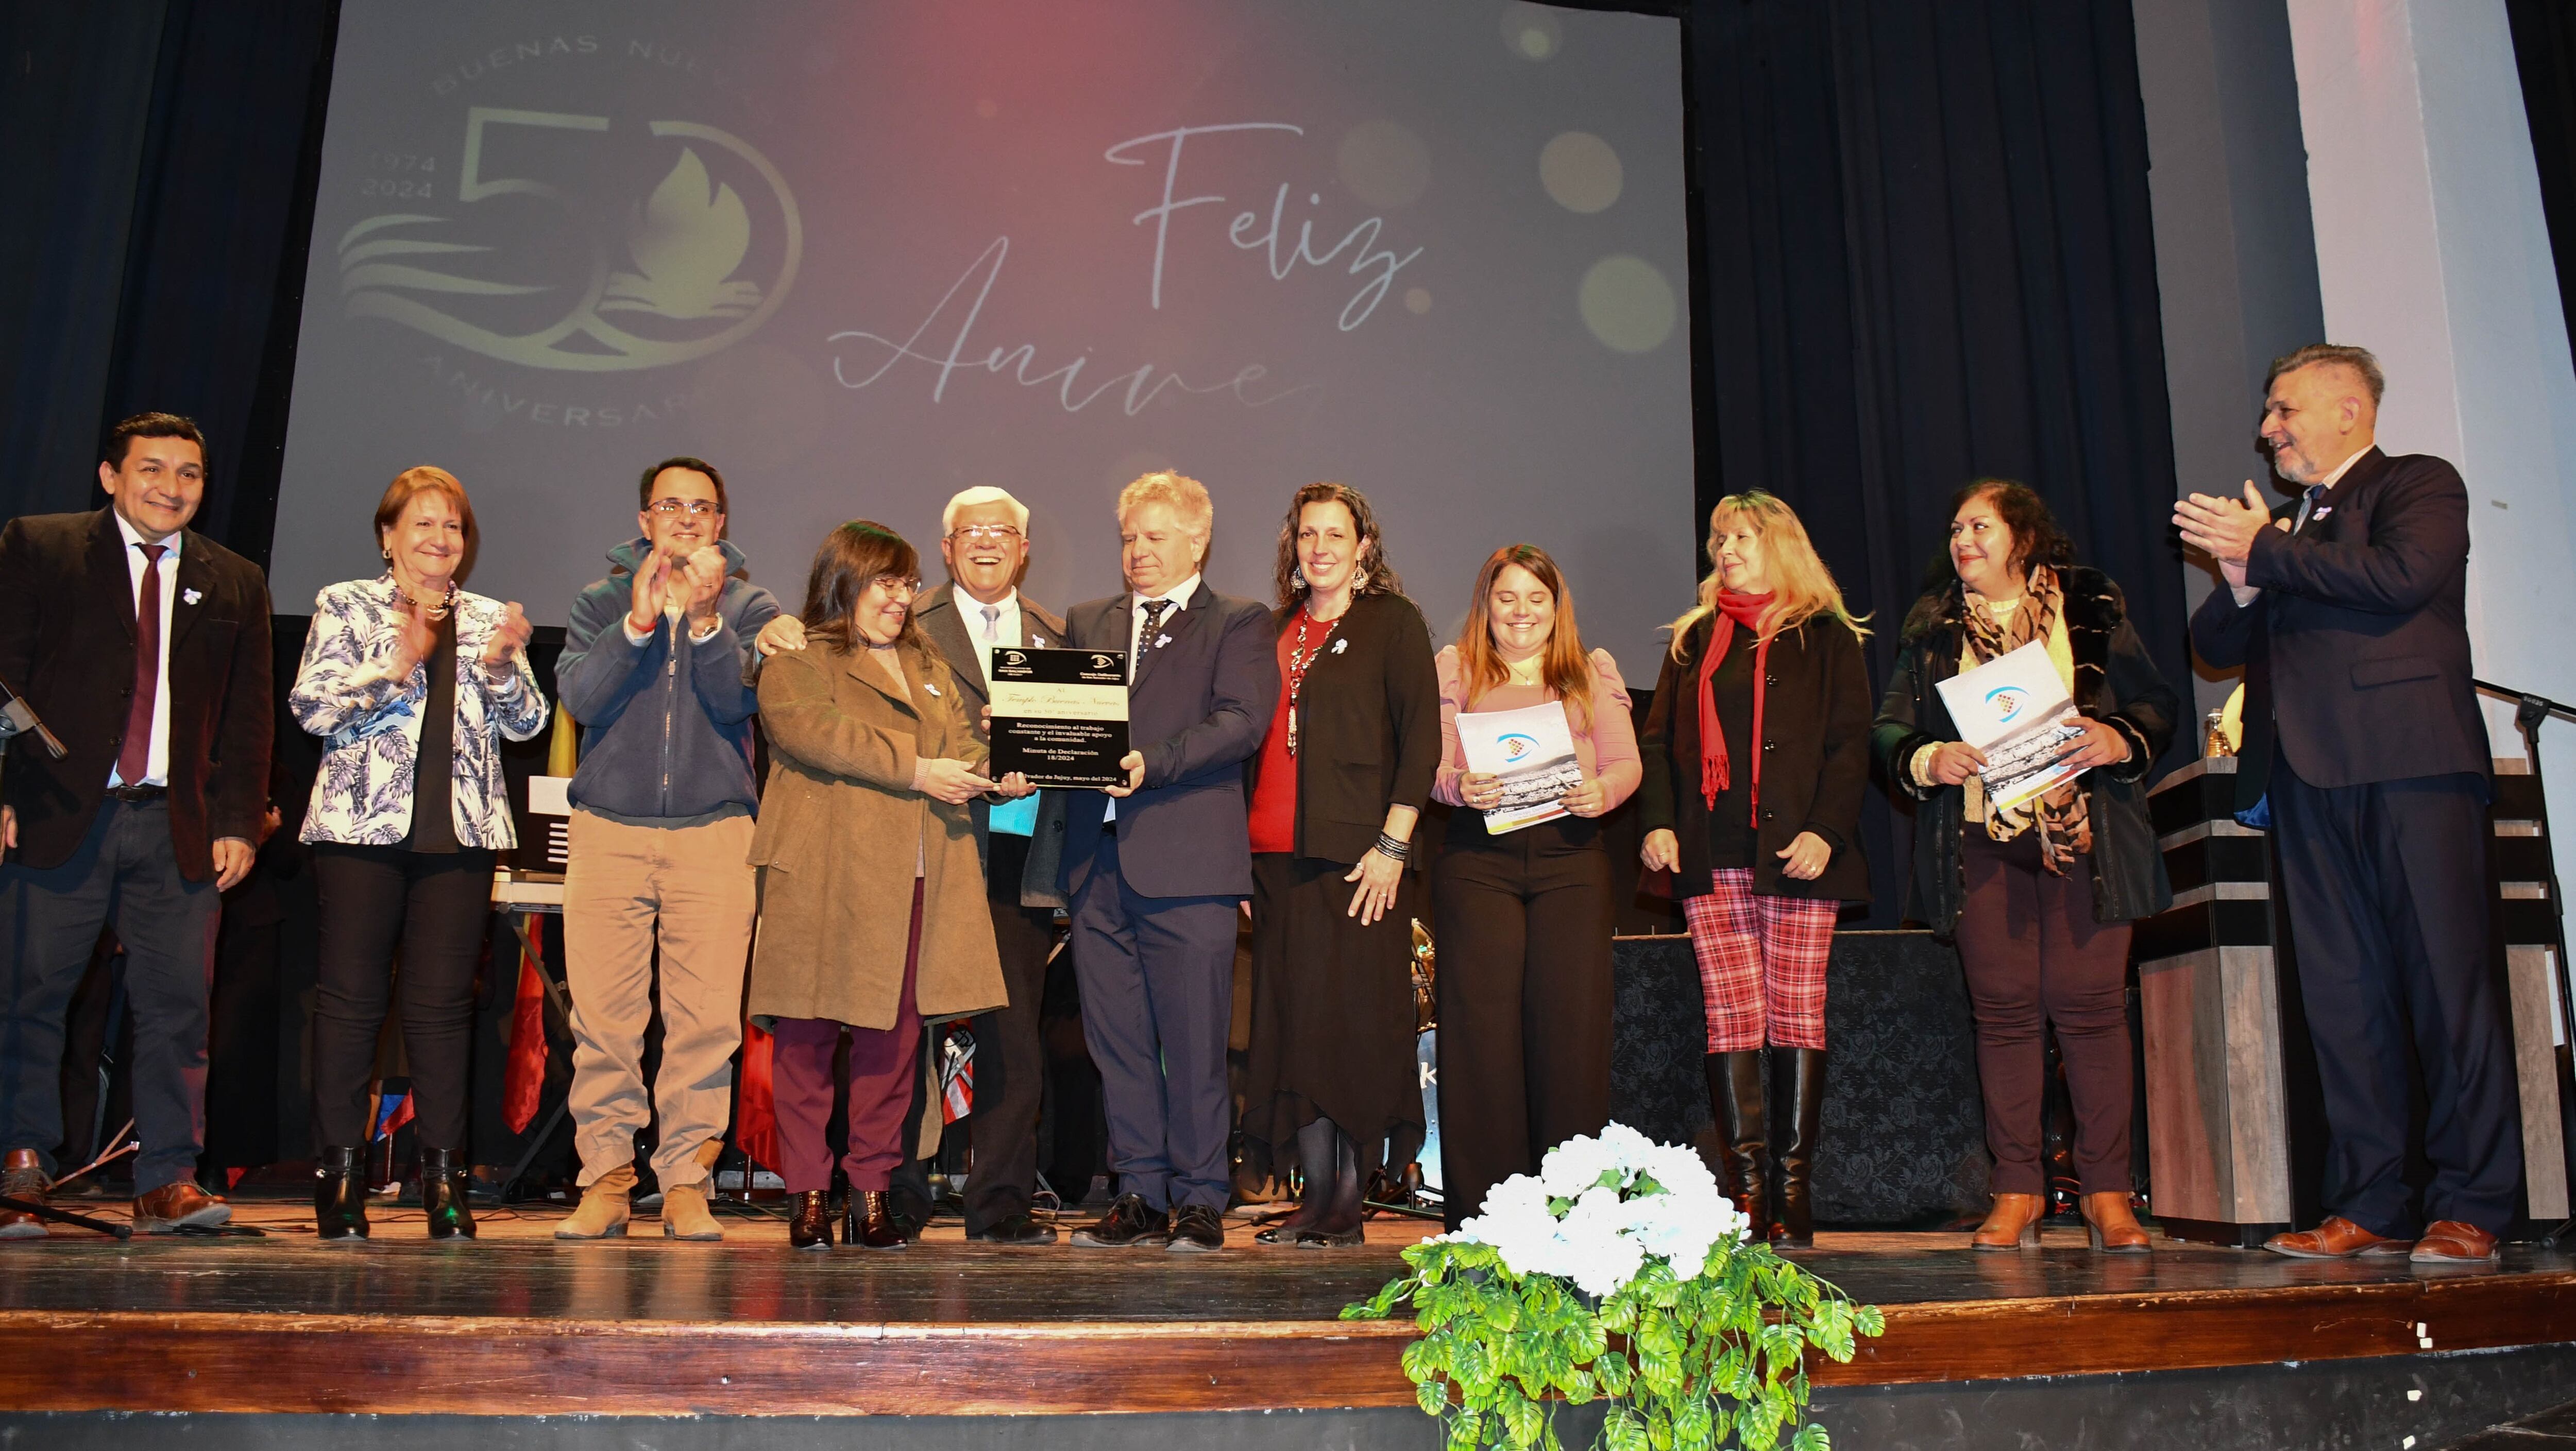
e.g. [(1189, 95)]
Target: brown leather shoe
[(2450, 1242), (174, 1207), (2013, 1223), (22, 1176), (2336, 1239), (2114, 1229)]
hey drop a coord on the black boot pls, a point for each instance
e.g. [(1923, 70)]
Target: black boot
[(442, 1194), (1743, 1128), (1315, 1167), (1344, 1210), (870, 1223), (1802, 1073), (339, 1196), (810, 1226)]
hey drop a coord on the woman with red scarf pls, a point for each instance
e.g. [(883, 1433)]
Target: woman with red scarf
[(1757, 754)]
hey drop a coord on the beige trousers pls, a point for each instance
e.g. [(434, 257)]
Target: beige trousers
[(620, 883)]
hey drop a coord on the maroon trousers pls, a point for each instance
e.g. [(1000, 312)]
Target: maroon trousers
[(880, 1083), (2033, 952)]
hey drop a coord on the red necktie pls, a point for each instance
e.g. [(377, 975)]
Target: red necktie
[(134, 758)]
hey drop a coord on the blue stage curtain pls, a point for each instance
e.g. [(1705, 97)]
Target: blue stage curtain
[(158, 186), (1927, 256)]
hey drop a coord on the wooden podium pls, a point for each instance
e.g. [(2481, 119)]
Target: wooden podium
[(2235, 1132)]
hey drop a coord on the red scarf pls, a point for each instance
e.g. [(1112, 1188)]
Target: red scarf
[(1732, 609)]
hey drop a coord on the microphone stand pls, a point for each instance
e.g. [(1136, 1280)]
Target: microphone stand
[(2530, 713)]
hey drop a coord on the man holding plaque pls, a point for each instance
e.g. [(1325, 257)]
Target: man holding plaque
[(984, 541), (1155, 867)]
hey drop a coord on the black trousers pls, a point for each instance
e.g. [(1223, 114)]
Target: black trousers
[(126, 874), (1010, 1065), (1524, 989), (2386, 889), (437, 908)]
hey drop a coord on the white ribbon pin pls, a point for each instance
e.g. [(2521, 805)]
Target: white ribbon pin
[(1161, 640), (191, 596), (1341, 644)]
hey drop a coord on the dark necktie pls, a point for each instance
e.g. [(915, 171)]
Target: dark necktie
[(1154, 612), (2308, 510), (134, 757)]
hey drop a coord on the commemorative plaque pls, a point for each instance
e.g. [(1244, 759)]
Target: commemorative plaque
[(1060, 716)]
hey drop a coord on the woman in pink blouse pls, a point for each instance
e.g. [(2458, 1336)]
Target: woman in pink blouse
[(1524, 913)]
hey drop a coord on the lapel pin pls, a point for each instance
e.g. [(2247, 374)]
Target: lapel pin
[(933, 689), (2321, 513), (1038, 640), (191, 596), (1161, 640), (1341, 644)]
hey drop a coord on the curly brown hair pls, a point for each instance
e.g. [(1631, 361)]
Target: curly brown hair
[(2036, 537), (1377, 577)]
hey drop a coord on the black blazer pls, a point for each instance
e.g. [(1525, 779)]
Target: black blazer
[(1198, 705), (1815, 758), (2356, 654), (67, 640), (944, 625), (1368, 727), (2116, 682)]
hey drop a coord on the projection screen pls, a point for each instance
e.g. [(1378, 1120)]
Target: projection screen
[(862, 256)]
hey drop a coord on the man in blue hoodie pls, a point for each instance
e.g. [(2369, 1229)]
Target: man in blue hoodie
[(653, 668)]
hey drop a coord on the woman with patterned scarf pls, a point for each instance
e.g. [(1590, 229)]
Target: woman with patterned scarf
[(1757, 757), (2039, 897)]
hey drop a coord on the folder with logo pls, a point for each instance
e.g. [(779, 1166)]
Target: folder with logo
[(2009, 708), (1532, 750)]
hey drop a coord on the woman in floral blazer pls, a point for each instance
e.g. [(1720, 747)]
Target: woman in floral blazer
[(401, 670)]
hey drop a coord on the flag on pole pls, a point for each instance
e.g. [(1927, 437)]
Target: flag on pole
[(523, 1081), (756, 1103), (957, 1076)]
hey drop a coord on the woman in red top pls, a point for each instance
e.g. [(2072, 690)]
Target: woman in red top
[(1336, 791)]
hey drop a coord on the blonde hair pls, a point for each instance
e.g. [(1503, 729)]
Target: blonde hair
[(1801, 587), (1184, 495), (1564, 667)]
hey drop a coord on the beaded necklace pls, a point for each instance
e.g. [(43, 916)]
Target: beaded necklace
[(1300, 657)]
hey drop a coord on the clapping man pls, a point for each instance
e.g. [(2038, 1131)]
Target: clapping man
[(2347, 609), (653, 668)]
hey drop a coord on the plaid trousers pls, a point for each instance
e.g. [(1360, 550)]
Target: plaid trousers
[(1761, 963)]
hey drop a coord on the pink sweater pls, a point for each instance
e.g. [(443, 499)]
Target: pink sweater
[(1608, 750)]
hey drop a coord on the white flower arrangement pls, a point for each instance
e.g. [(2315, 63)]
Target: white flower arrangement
[(1600, 1207)]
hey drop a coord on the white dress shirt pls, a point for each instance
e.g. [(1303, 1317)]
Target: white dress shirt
[(989, 626), (2308, 501), (1137, 644), (156, 771)]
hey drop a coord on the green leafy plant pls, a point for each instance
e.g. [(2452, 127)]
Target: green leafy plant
[(1689, 1349)]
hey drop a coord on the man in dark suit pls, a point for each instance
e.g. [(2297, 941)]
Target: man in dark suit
[(984, 541), (2347, 609), (1155, 869), (146, 648)]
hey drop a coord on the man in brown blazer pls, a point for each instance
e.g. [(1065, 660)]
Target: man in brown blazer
[(146, 648)]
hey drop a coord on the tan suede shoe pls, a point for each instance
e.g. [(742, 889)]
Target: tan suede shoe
[(603, 1210), (685, 1214)]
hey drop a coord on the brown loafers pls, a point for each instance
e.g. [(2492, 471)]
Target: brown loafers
[(177, 1206), (2452, 1242), (2336, 1239), (22, 1176)]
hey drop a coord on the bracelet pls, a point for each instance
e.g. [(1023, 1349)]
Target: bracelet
[(1392, 849)]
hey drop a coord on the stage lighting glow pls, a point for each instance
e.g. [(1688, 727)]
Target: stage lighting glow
[(1581, 172), (1628, 304)]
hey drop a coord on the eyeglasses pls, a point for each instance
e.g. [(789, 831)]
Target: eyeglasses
[(902, 589), (986, 533), (701, 507)]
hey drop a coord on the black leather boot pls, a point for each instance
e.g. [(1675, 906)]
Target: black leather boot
[(1315, 1169), (1802, 1074), (442, 1194), (1345, 1211), (339, 1195), (1743, 1128), (810, 1226), (870, 1223)]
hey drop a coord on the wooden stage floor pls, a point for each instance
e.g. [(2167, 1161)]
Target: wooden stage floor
[(518, 1323)]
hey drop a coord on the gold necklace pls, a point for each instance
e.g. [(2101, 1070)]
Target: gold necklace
[(445, 605)]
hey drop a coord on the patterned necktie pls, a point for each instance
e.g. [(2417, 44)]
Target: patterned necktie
[(134, 755), (1154, 612)]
